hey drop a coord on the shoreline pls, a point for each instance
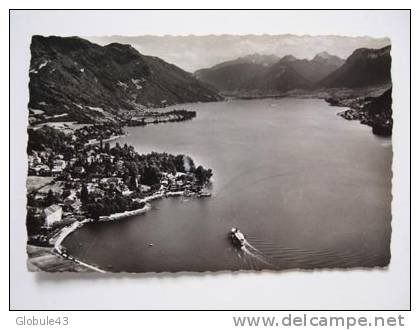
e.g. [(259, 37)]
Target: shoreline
[(318, 93), (59, 250), (112, 138), (66, 231), (126, 214), (371, 106), (62, 235), (51, 258)]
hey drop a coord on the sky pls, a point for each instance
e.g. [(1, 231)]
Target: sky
[(238, 22)]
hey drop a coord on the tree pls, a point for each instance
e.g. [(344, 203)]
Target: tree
[(66, 193), (84, 194), (171, 168), (137, 205), (133, 169), (203, 175), (94, 210), (184, 163), (122, 203), (179, 163), (34, 222), (47, 137), (50, 198), (151, 175), (133, 182), (107, 147), (31, 199)]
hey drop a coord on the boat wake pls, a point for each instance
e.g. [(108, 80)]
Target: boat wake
[(254, 258), (258, 254)]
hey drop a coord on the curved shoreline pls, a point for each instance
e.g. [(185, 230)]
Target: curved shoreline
[(66, 231), (126, 214), (58, 248)]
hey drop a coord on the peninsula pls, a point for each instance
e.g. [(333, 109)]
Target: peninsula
[(73, 180)]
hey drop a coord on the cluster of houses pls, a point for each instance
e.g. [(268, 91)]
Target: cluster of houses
[(48, 164), (51, 164), (98, 170), (180, 182), (91, 134), (39, 163), (69, 206)]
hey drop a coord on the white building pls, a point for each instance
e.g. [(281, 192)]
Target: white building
[(53, 214), (58, 166), (144, 188)]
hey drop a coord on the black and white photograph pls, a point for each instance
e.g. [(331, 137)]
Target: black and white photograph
[(201, 160), (207, 153)]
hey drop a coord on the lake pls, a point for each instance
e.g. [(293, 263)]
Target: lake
[(306, 187)]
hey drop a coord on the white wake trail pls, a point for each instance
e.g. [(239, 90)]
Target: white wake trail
[(255, 253)]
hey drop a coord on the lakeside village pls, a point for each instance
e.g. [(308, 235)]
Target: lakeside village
[(135, 117), (375, 112), (74, 176)]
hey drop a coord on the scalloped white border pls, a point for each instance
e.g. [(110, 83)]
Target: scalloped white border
[(355, 289)]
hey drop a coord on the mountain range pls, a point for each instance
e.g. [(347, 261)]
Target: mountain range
[(73, 79), (194, 52), (86, 82), (262, 75)]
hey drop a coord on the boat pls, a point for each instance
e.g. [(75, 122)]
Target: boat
[(238, 238), (203, 194)]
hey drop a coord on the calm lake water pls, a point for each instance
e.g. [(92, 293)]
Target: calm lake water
[(306, 187)]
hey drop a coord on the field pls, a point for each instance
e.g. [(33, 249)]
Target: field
[(34, 183)]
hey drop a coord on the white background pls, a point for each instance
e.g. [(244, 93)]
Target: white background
[(353, 289), (356, 289)]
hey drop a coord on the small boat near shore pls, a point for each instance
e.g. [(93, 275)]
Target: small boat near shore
[(237, 237), (203, 194)]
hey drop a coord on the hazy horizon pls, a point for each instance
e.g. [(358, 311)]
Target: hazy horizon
[(194, 52)]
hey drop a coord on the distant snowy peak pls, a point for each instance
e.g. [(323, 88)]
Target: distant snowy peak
[(327, 57), (196, 52), (324, 55), (249, 76), (288, 58)]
